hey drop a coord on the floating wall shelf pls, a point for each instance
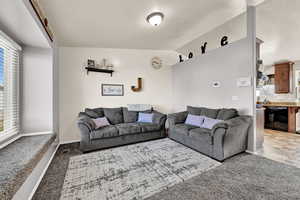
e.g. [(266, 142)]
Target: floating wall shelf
[(91, 69)]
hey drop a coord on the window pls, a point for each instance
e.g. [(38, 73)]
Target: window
[(1, 88), (9, 86)]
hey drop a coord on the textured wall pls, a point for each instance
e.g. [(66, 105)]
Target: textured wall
[(37, 90), (194, 78), (79, 90)]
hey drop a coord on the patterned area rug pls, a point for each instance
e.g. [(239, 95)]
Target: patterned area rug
[(132, 172)]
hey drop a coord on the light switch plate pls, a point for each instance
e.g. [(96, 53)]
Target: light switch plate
[(244, 82), (235, 98)]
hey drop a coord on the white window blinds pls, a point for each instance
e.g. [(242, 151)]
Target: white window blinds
[(9, 86)]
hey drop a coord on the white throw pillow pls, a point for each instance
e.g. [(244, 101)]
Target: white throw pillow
[(209, 122), (194, 120), (101, 122)]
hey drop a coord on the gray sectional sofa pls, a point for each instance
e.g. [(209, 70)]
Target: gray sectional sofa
[(124, 128), (224, 140)]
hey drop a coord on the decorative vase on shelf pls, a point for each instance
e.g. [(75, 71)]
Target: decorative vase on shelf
[(110, 67), (98, 66)]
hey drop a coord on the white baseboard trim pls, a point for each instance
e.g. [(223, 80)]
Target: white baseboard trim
[(69, 142), (251, 152), (32, 182), (37, 133)]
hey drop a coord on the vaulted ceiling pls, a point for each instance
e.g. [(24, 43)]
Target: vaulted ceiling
[(278, 26), (122, 24)]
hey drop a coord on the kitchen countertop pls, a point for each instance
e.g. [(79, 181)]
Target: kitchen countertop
[(282, 104)]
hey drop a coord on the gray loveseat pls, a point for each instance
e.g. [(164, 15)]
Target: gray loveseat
[(124, 128), (224, 140)]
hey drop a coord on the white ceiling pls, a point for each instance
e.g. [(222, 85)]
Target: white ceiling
[(17, 22), (121, 23), (278, 25)]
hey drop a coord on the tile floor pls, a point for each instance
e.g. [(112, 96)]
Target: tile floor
[(282, 147)]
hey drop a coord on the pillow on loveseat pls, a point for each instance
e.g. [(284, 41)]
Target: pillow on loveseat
[(195, 120), (145, 117), (210, 122), (100, 122), (132, 116)]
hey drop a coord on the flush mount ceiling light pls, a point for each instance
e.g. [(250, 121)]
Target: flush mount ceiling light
[(155, 18)]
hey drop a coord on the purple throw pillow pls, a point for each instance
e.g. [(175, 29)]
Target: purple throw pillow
[(101, 122), (194, 120), (210, 122), (145, 117)]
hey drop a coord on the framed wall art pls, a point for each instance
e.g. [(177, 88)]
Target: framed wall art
[(112, 90)]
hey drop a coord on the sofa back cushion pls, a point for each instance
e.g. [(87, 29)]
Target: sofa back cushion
[(145, 117), (130, 116), (194, 120), (211, 113), (207, 112), (94, 112), (194, 110), (114, 115), (227, 113)]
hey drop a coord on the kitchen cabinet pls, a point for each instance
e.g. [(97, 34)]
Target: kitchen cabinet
[(282, 77), (279, 119)]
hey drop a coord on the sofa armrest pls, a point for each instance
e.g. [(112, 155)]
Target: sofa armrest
[(85, 120), (177, 118), (221, 125), (230, 136), (241, 123), (159, 118)]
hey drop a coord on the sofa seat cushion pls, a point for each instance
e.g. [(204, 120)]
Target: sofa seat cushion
[(184, 128), (202, 134), (149, 127), (128, 128), (104, 132)]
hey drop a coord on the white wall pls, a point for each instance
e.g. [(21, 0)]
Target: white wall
[(234, 29), (192, 79), (77, 90), (36, 99), (279, 44)]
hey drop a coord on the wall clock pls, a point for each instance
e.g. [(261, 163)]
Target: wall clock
[(156, 62)]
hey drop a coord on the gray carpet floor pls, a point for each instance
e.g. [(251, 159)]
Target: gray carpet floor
[(246, 177), (242, 177), (17, 161)]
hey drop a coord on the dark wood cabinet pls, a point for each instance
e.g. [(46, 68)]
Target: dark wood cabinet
[(282, 77)]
